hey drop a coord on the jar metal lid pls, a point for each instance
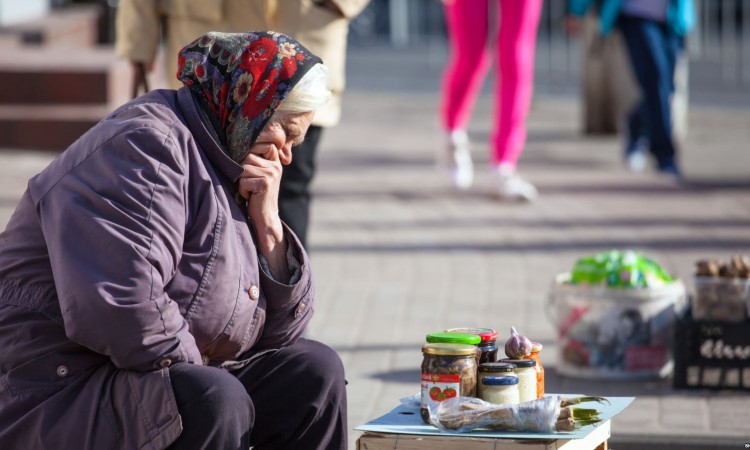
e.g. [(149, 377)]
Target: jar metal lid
[(485, 334), (449, 349), (499, 381), (453, 338), (521, 363), (497, 367)]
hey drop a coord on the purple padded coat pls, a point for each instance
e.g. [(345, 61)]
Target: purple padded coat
[(128, 254)]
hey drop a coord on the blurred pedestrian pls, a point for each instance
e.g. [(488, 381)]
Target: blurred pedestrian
[(654, 33), (320, 25), (150, 297), (473, 42)]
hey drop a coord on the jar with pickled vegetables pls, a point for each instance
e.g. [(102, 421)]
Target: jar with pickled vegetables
[(536, 347), (487, 345), (448, 370)]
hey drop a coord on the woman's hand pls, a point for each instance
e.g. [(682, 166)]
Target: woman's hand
[(259, 184), (260, 181)]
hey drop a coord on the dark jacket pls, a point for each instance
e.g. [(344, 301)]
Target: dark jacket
[(128, 254)]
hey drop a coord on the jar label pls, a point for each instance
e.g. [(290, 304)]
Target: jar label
[(439, 387)]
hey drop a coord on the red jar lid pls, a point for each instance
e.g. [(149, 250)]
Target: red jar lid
[(486, 334)]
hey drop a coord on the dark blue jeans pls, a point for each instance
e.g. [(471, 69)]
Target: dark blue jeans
[(653, 52)]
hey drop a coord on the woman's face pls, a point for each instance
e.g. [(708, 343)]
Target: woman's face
[(280, 134)]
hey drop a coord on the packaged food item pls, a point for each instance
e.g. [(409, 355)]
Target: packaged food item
[(448, 370), (502, 390), (620, 269), (494, 369), (525, 370), (487, 345), (550, 414), (536, 347)]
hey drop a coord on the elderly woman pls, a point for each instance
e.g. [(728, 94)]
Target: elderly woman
[(150, 297)]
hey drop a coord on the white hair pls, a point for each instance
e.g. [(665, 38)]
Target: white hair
[(310, 93)]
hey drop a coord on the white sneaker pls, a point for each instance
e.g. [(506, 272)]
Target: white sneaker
[(636, 161), (455, 159), (507, 185)]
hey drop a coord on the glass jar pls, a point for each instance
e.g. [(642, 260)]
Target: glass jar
[(526, 378), (495, 369), (536, 347), (502, 390), (448, 370), (487, 345), (451, 337)]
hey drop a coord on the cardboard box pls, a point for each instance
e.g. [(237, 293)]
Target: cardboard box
[(711, 355)]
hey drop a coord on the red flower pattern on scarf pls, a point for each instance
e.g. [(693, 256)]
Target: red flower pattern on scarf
[(243, 77)]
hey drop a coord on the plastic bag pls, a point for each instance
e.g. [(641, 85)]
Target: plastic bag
[(620, 269), (463, 414)]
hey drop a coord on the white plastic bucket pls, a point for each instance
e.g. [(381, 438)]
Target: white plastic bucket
[(614, 333)]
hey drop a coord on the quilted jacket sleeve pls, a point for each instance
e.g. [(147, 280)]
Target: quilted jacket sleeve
[(289, 306), (114, 226)]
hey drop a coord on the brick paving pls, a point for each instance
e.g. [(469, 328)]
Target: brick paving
[(397, 253)]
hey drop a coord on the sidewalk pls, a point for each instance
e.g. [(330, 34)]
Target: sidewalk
[(397, 254)]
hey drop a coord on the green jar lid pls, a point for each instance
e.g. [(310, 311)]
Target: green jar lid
[(449, 349), (449, 337)]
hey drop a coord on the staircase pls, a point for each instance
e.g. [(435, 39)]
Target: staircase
[(55, 81)]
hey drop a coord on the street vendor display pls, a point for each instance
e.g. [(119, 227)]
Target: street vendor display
[(494, 399), (712, 337), (722, 289), (615, 314)]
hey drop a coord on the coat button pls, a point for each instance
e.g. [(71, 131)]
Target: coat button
[(204, 360), (253, 293), (62, 371), (164, 363)]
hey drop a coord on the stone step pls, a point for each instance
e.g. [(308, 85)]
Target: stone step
[(45, 127), (47, 76), (72, 27)]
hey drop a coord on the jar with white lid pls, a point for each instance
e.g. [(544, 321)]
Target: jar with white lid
[(526, 372), (500, 390)]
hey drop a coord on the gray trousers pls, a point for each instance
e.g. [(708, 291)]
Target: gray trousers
[(292, 398)]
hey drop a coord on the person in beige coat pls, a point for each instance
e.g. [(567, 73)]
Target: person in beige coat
[(320, 25)]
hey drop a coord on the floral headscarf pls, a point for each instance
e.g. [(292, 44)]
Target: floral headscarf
[(243, 78)]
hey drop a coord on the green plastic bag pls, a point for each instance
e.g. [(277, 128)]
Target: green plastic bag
[(619, 269)]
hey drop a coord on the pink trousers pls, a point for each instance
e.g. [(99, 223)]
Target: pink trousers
[(470, 60)]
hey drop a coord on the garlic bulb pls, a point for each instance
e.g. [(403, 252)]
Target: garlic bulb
[(517, 346)]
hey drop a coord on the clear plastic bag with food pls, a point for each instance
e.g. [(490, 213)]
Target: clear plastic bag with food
[(553, 413)]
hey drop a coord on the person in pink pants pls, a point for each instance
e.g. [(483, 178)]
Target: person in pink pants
[(512, 46)]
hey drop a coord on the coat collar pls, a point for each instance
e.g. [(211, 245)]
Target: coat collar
[(211, 148)]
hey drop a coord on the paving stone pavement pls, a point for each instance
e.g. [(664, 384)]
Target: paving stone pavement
[(397, 253)]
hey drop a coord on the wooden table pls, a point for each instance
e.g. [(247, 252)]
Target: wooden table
[(596, 440)]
